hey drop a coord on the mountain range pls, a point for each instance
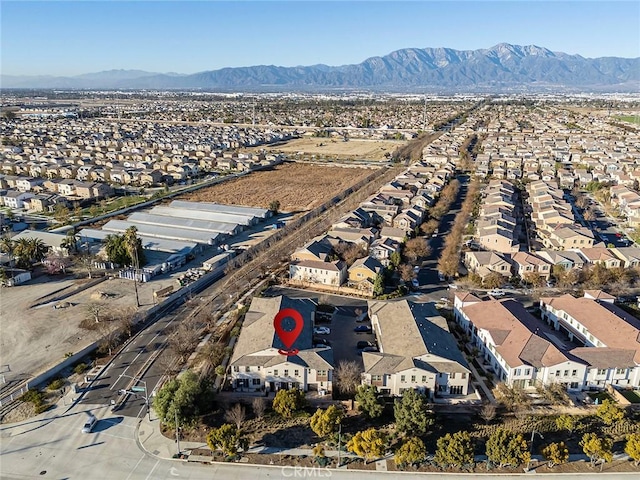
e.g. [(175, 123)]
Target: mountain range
[(504, 67)]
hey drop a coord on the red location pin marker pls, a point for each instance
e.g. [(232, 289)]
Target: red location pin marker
[(288, 337)]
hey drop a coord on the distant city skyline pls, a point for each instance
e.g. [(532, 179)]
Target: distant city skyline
[(65, 38)]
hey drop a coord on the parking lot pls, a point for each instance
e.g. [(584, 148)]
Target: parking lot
[(342, 338)]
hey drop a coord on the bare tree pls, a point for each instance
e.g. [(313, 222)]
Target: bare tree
[(347, 377), (95, 311), (406, 272), (259, 406), (237, 414), (416, 248), (488, 412), (86, 262), (110, 337), (125, 318), (168, 361), (184, 339)]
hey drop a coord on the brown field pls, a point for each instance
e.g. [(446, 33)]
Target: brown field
[(336, 148), (297, 186)]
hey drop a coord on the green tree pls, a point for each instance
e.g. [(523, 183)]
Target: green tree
[(367, 399), (187, 397), (507, 448), (368, 444), (411, 452), (456, 449), (596, 448), (394, 259), (228, 438), (61, 213), (412, 413), (325, 422), (609, 412), (632, 448), (556, 453), (116, 250), (566, 422), (378, 284), (288, 402)]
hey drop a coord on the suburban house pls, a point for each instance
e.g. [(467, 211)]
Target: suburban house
[(610, 338), (15, 198), (318, 249), (314, 271), (416, 351), (600, 255), (569, 237), (513, 346), (527, 263), (256, 364), (567, 259), (363, 272), (382, 248), (629, 256), (483, 263)]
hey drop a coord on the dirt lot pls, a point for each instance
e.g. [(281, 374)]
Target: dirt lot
[(337, 148), (297, 186), (33, 338)]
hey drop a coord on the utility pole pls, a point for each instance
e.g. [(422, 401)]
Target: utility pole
[(177, 432)]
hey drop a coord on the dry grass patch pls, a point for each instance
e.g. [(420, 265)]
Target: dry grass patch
[(296, 186)]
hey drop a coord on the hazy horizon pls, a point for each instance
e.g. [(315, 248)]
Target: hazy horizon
[(62, 38)]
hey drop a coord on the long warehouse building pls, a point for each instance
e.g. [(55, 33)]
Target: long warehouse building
[(257, 213), (166, 231), (203, 215), (186, 223)]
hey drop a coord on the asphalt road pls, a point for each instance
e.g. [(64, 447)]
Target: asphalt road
[(132, 364), (430, 285)]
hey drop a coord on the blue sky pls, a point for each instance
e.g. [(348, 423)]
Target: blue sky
[(68, 38)]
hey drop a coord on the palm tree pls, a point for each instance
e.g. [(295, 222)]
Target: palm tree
[(8, 246), (70, 242), (22, 251), (38, 249)]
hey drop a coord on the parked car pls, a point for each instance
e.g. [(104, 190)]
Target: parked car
[(496, 293), (363, 344), (362, 329), (89, 424), (322, 330), (415, 283), (369, 349)]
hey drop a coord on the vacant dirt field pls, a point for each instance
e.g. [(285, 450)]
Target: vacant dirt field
[(33, 338), (336, 148), (297, 186)]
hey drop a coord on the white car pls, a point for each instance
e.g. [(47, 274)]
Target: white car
[(89, 424), (415, 283), (322, 330), (496, 293)]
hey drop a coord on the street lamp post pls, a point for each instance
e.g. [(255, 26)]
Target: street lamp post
[(533, 433), (339, 442), (177, 432)]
